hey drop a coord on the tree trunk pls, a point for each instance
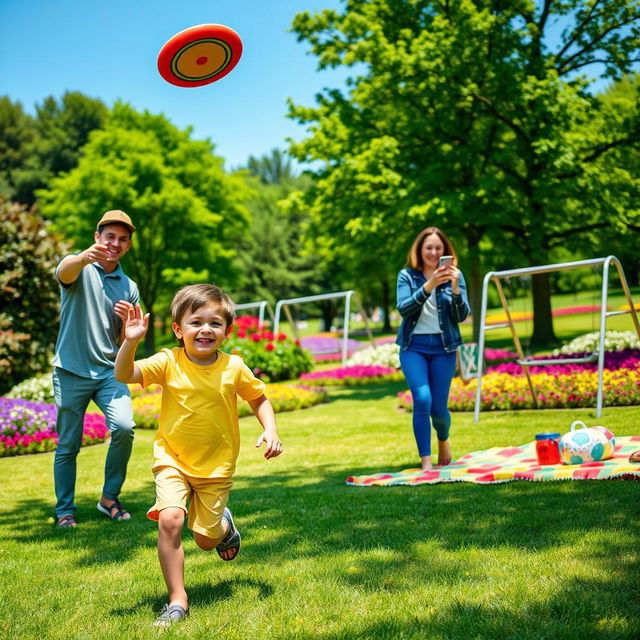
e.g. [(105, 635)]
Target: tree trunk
[(474, 282), (386, 307), (543, 333), (328, 311)]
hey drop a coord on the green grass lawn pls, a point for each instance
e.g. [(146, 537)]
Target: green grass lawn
[(325, 561)]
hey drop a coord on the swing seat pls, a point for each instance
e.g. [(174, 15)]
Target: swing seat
[(592, 357)]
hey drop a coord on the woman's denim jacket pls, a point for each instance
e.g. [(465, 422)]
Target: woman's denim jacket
[(452, 309)]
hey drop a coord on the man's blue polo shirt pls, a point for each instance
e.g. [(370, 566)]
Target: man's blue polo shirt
[(87, 343)]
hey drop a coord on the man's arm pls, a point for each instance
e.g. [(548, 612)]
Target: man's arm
[(71, 266)]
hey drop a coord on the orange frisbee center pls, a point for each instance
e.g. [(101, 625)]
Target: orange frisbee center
[(201, 59)]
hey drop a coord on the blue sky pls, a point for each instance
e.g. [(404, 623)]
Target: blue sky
[(108, 50)]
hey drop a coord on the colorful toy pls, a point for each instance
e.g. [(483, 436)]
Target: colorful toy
[(199, 55), (586, 444)]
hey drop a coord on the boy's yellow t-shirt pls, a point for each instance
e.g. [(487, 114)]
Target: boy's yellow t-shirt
[(198, 431)]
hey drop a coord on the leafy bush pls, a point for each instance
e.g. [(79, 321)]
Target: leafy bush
[(283, 397), (29, 427), (385, 355), (613, 341), (37, 389), (271, 357), (29, 320)]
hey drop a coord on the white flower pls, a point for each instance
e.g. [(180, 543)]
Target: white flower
[(385, 355), (613, 341)]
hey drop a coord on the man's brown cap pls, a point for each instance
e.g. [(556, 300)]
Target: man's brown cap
[(116, 216)]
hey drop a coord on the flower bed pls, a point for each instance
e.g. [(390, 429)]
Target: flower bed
[(353, 375), (613, 341), (29, 427), (504, 391), (328, 346), (37, 389), (383, 355), (283, 397), (613, 360), (521, 316)]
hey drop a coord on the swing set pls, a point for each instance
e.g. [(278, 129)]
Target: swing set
[(525, 362)]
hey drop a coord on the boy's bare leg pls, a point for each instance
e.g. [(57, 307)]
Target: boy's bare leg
[(171, 554), (208, 544)]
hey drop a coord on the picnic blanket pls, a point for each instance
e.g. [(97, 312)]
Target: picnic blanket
[(496, 465)]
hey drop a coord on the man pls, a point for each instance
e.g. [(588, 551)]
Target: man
[(95, 299)]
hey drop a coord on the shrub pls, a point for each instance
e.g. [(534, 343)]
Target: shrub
[(385, 355), (37, 389), (271, 357), (613, 341), (29, 254), (29, 427)]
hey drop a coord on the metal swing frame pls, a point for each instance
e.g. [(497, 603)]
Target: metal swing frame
[(347, 295), (496, 276), (263, 305)]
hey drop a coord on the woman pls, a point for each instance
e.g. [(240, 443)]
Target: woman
[(432, 300)]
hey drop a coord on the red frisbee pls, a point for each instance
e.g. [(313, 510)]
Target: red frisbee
[(199, 55)]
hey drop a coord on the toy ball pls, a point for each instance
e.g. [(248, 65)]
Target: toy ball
[(586, 444)]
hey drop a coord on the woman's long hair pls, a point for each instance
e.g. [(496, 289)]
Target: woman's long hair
[(414, 257)]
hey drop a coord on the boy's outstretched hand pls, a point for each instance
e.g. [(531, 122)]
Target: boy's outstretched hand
[(136, 325), (271, 439)]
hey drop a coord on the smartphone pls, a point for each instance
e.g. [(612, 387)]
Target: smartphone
[(445, 261)]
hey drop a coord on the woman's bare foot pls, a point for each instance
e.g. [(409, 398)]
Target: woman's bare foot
[(444, 453), (426, 463)]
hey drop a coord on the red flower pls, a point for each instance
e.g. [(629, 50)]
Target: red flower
[(267, 335), (269, 346), (297, 343), (282, 336), (255, 337), (242, 333)]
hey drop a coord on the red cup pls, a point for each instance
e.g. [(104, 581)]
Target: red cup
[(548, 448)]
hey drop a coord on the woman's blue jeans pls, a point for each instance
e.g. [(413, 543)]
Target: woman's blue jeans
[(429, 370)]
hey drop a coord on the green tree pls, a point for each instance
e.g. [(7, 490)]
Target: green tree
[(187, 210), (29, 252), (270, 254), (17, 163), (33, 150), (471, 116)]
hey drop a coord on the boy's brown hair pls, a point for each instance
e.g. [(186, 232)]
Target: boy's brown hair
[(194, 296)]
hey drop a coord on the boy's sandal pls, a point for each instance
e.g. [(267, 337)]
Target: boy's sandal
[(67, 521), (231, 540), (170, 614), (119, 513), (635, 456)]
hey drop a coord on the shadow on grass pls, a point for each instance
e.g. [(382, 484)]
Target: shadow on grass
[(368, 391), (96, 540), (201, 594)]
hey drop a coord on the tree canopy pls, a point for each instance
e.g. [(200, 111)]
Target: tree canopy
[(473, 116), (187, 210)]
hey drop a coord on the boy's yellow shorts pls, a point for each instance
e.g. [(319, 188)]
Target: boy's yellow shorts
[(207, 498)]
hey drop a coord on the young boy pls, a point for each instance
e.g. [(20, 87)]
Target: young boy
[(198, 440)]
